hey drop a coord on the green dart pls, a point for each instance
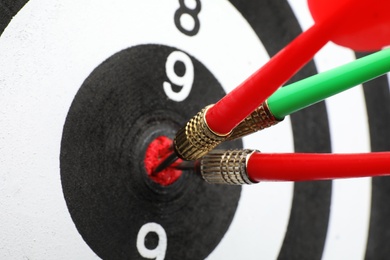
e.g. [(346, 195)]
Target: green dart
[(309, 91)]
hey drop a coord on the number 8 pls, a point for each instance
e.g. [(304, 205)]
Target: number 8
[(193, 13), (157, 253)]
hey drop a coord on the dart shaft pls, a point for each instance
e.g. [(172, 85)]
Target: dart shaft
[(306, 92), (213, 125), (238, 104), (246, 166), (309, 91), (239, 113), (308, 167), (221, 119)]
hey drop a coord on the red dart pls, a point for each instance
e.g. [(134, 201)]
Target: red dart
[(310, 167), (242, 167), (358, 24), (366, 24)]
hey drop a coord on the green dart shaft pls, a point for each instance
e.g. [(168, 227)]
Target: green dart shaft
[(304, 93), (309, 91)]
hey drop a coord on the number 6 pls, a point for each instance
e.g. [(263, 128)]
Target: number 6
[(157, 253)]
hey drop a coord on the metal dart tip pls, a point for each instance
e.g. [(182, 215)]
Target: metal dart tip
[(188, 165), (165, 163)]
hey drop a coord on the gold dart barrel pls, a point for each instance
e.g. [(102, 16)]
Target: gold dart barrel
[(258, 120), (196, 139), (226, 167)]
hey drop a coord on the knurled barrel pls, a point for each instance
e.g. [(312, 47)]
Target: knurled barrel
[(259, 119), (196, 139), (226, 167)]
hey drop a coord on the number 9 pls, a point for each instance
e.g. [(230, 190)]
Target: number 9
[(157, 253), (184, 81)]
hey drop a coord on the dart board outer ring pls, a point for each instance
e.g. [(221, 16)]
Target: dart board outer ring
[(377, 100)]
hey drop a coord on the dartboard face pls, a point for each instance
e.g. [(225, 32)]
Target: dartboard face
[(86, 87)]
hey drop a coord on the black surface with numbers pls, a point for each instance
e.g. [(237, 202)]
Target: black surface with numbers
[(118, 111)]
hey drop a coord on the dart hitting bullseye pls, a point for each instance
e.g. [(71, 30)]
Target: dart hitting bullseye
[(246, 109), (296, 167), (93, 165)]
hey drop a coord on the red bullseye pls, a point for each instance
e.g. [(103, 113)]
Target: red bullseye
[(156, 152)]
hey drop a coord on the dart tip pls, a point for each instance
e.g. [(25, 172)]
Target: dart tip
[(165, 163), (189, 165)]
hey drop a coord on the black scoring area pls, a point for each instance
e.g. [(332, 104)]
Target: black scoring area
[(8, 9), (120, 108)]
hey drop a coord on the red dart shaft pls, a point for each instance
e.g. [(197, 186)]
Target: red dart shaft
[(307, 167), (214, 124), (234, 107), (239, 103)]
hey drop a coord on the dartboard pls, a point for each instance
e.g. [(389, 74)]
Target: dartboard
[(86, 86)]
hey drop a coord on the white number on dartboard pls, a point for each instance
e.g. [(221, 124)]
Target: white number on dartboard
[(186, 17), (157, 253), (184, 81)]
